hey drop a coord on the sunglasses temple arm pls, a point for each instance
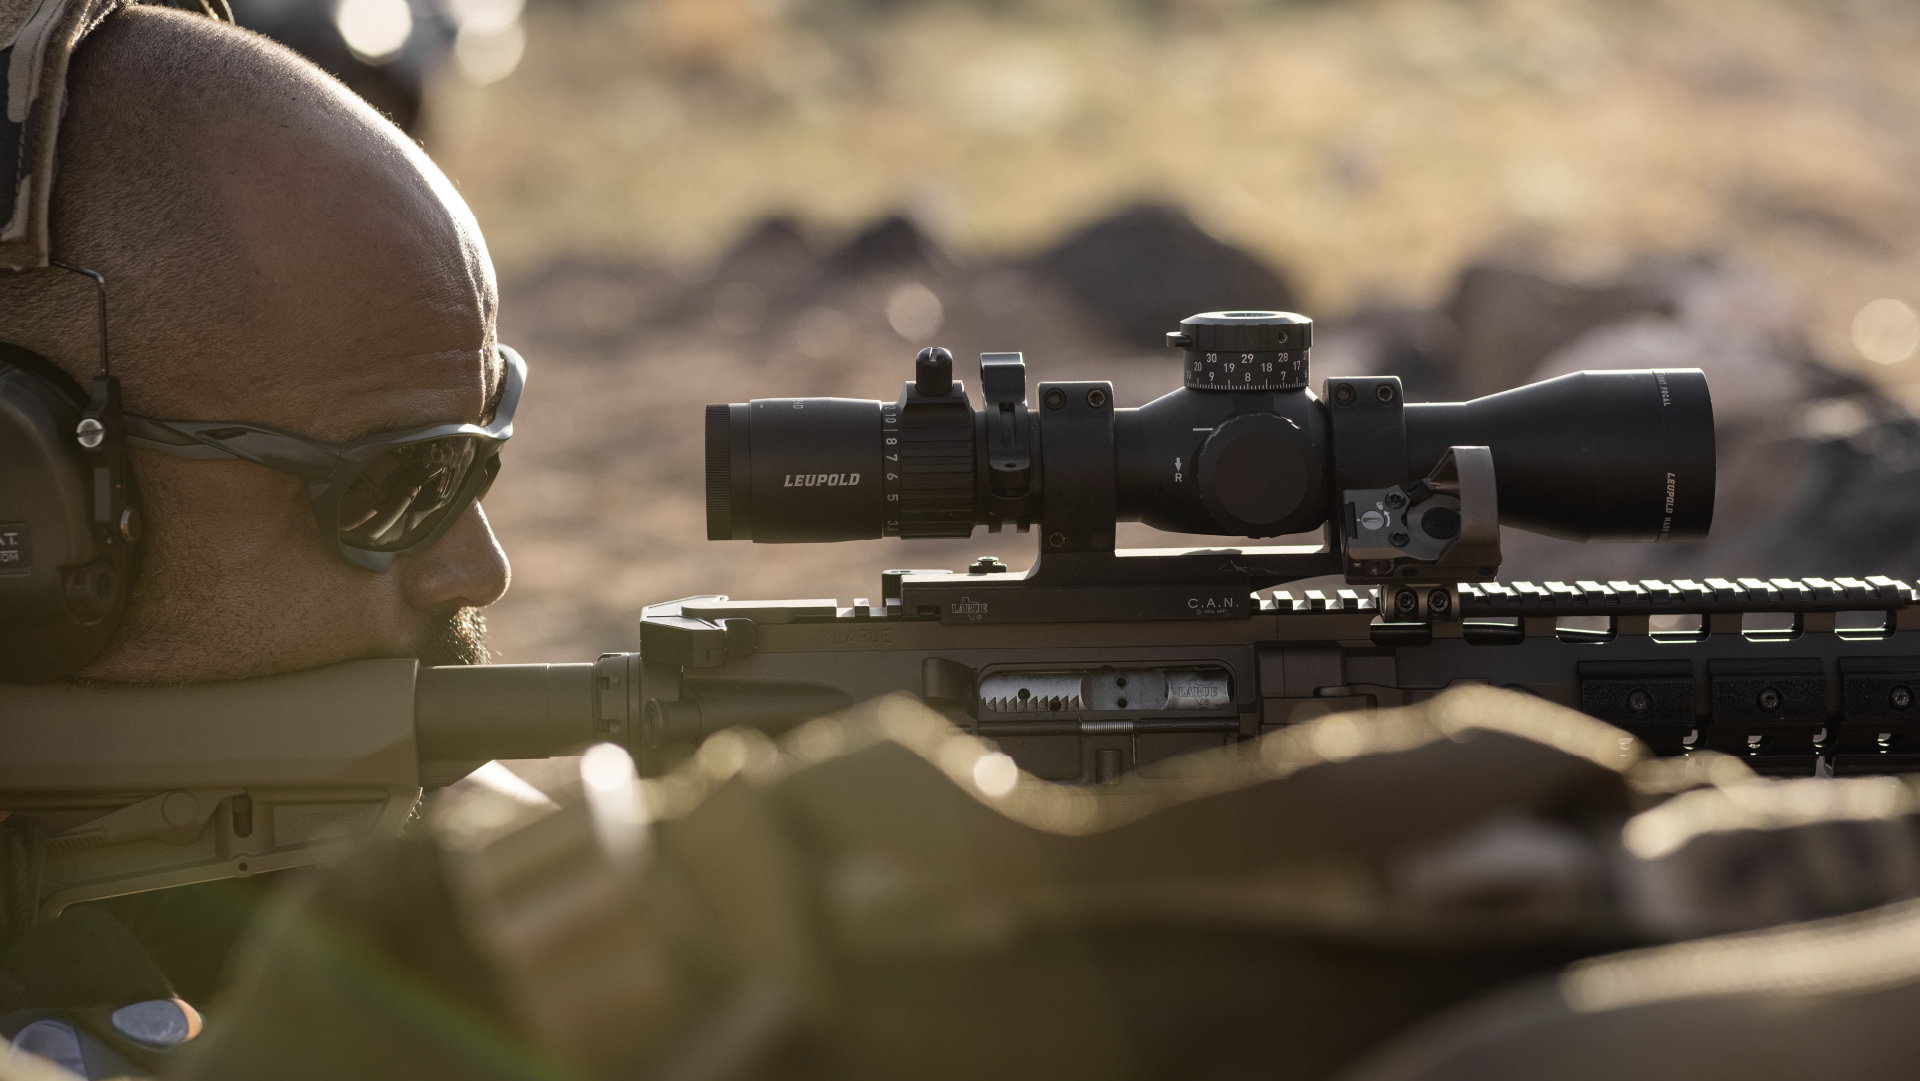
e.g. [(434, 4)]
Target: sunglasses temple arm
[(154, 435), (501, 427)]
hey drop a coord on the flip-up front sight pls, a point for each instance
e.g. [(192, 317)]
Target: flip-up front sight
[(1401, 491)]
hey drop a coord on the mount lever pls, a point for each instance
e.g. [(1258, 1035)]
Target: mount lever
[(1438, 531)]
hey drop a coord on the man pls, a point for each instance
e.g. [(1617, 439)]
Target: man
[(275, 252)]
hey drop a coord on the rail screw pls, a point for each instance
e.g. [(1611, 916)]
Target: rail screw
[(1639, 702), (1769, 700), (1901, 698)]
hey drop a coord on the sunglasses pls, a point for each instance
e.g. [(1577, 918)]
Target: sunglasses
[(387, 495)]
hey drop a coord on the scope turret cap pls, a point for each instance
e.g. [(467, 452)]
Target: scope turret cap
[(1244, 351), (1243, 332)]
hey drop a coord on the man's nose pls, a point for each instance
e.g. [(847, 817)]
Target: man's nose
[(466, 569)]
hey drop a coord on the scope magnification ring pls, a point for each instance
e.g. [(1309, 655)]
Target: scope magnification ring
[(926, 469)]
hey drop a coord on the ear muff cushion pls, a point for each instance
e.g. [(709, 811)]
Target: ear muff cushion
[(50, 373), (62, 592)]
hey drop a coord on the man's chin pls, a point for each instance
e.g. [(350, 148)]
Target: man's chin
[(459, 637)]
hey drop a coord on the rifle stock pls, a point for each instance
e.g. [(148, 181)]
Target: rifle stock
[(137, 787)]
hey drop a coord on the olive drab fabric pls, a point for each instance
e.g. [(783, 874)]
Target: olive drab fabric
[(877, 894), (1832, 999), (36, 39), (1828, 998)]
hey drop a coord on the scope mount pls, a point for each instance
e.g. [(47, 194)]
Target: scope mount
[(1417, 541)]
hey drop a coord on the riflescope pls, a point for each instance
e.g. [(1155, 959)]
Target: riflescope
[(1244, 449)]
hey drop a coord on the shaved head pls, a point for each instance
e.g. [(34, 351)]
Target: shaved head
[(276, 252), (217, 179)]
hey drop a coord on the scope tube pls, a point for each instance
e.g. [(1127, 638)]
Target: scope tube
[(1591, 456)]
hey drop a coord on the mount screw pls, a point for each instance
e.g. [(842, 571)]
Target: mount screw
[(1057, 540), (1438, 602), (1096, 398), (1396, 500), (1398, 539), (1769, 700), (1343, 394), (1056, 398), (1384, 392), (1901, 698), (1405, 601), (1639, 702)]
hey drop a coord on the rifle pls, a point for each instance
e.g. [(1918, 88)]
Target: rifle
[(121, 789), (1093, 667)]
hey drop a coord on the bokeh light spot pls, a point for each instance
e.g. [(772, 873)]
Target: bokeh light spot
[(1886, 331), (375, 30), (995, 774), (914, 312)]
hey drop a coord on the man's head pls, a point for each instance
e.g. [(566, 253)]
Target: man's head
[(275, 252)]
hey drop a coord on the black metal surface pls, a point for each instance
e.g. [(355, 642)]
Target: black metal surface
[(1076, 443), (1244, 350), (1590, 456), (1303, 654), (1245, 452), (927, 461)]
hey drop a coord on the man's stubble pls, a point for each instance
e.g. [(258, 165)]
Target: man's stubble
[(457, 638)]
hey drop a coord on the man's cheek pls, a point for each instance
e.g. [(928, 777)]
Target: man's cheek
[(253, 513), (249, 531)]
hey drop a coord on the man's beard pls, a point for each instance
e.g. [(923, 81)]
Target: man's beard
[(459, 637)]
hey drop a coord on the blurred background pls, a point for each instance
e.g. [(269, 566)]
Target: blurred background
[(694, 201)]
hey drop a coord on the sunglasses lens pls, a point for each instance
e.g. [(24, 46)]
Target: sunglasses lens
[(406, 492)]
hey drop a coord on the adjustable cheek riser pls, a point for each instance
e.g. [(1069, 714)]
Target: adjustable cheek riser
[(69, 521)]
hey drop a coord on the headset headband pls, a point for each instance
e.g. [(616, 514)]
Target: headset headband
[(40, 37)]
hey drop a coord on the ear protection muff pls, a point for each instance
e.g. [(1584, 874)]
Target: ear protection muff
[(69, 515), (69, 518)]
